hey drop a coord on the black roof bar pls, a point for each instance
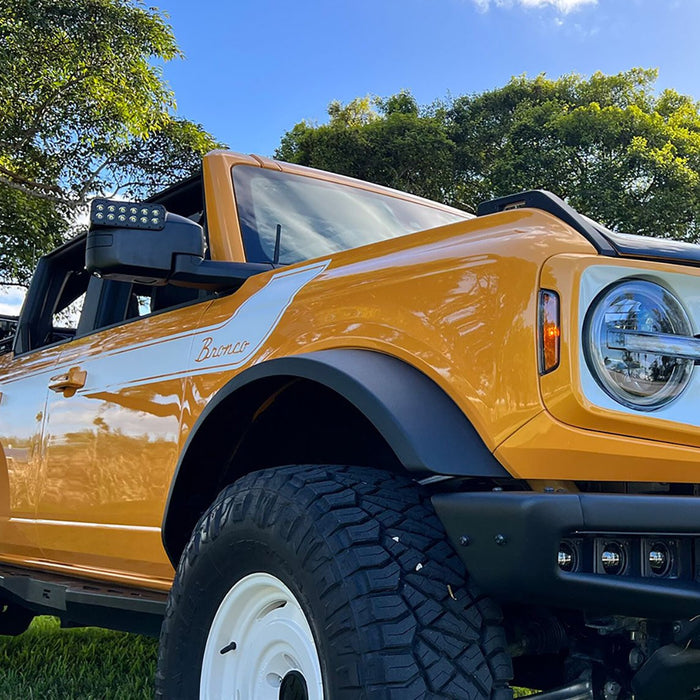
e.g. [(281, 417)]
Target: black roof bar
[(549, 202)]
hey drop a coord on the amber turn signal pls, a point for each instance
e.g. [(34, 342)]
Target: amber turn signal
[(549, 330)]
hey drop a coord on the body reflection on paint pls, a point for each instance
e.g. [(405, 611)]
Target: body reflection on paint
[(102, 450), (24, 388), (110, 454)]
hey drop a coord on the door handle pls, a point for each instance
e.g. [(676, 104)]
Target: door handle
[(68, 383)]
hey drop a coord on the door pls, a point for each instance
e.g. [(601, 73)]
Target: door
[(24, 384), (27, 370), (113, 435)]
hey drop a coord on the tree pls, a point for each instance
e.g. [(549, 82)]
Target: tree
[(609, 145), (398, 145), (83, 110)]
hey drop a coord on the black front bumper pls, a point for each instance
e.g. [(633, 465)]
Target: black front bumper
[(509, 542)]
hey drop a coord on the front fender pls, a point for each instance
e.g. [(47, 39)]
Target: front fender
[(423, 426)]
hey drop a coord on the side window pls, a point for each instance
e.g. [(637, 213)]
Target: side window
[(111, 302)]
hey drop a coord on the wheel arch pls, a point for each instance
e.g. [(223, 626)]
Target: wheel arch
[(404, 418)]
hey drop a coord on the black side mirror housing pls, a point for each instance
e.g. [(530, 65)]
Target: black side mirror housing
[(141, 255), (144, 244)]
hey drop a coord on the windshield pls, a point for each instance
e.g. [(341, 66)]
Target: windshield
[(318, 218)]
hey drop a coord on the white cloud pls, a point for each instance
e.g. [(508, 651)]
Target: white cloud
[(11, 298), (563, 6)]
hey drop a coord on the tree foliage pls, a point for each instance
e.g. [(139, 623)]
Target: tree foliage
[(608, 144), (83, 110), (395, 144)]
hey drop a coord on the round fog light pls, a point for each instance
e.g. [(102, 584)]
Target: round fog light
[(660, 559), (613, 558), (566, 558)]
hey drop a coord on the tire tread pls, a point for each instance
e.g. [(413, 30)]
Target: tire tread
[(385, 568)]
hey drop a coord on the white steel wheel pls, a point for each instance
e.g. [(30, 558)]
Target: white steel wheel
[(260, 646)]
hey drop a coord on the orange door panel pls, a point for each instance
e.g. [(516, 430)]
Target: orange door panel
[(23, 391), (111, 448)]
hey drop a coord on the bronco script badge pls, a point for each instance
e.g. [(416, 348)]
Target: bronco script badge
[(232, 343)]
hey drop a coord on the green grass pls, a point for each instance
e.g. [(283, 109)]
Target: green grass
[(48, 663)]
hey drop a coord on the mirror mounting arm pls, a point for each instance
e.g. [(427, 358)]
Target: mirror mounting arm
[(213, 274)]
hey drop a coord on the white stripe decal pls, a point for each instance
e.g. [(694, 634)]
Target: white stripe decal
[(227, 345)]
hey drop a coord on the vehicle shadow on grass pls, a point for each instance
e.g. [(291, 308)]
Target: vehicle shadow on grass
[(50, 663)]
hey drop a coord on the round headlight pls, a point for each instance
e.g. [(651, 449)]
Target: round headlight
[(638, 379)]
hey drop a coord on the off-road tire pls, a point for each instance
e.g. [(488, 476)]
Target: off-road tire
[(392, 612)]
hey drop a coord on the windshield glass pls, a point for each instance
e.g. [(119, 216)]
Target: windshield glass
[(318, 218)]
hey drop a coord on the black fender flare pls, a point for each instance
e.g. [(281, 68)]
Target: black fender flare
[(424, 427)]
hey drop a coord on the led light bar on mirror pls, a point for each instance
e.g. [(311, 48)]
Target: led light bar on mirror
[(108, 212)]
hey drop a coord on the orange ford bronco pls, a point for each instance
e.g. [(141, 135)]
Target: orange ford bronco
[(336, 441)]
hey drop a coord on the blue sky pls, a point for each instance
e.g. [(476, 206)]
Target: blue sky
[(11, 298), (254, 68)]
